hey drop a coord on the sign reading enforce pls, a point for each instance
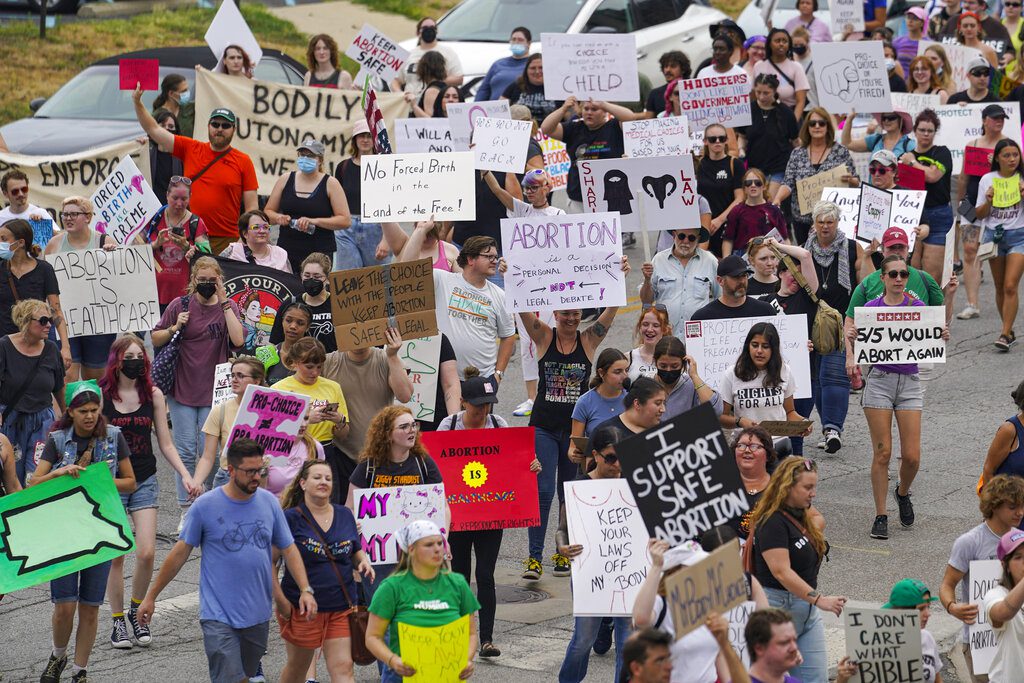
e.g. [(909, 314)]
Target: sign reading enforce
[(899, 334), (715, 584), (598, 66)]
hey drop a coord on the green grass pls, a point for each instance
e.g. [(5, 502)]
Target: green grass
[(414, 9)]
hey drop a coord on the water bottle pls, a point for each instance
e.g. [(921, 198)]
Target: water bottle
[(295, 226)]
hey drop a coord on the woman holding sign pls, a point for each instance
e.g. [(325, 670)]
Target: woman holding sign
[(793, 87), (895, 135), (362, 243), (769, 139), (1002, 607)]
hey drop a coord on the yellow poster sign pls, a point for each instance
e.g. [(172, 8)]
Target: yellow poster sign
[(1005, 191), (438, 654)]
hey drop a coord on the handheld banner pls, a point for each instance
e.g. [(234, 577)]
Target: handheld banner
[(885, 644), (144, 72), (604, 519), (487, 476), (714, 99), (412, 187), (382, 511), (222, 384), (977, 160), (905, 211), (899, 334), (666, 183), (556, 160), (229, 28), (959, 57), (259, 292), (597, 66), (715, 584), (683, 476), (93, 528), (422, 359), (809, 190), (846, 16), (377, 54), (985, 575), (910, 178), (270, 417), (914, 104), (948, 254), (438, 653), (124, 203), (501, 144), (961, 123), (852, 75), (462, 117), (423, 136), (665, 137)]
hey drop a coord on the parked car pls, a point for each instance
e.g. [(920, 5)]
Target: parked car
[(91, 110), (478, 30)]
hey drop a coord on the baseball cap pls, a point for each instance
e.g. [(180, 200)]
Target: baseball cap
[(733, 266), (884, 157), (476, 391), (314, 146), (360, 127), (918, 12), (223, 113), (994, 111), (978, 63), (908, 593), (1010, 541), (893, 236), (685, 555)]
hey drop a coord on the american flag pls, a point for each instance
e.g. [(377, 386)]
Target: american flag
[(375, 120)]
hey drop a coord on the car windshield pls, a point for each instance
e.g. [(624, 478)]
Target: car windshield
[(493, 20), (95, 94)]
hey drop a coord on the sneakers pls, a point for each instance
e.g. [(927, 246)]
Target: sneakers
[(181, 521), (259, 677), (832, 441), (54, 668), (906, 507), (880, 529), (524, 409), (562, 567), (533, 570), (142, 633), (488, 650), (822, 442), (604, 637), (80, 677), (119, 636), (969, 313)]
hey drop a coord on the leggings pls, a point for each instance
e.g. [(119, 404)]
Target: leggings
[(487, 543)]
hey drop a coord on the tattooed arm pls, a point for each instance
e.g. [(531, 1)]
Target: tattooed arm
[(538, 330), (594, 335)]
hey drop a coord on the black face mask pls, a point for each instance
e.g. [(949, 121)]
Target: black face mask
[(670, 376), (312, 286), (799, 50), (428, 34), (206, 289), (132, 368)]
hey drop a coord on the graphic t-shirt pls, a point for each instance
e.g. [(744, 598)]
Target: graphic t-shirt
[(343, 541), (583, 144), (172, 278), (409, 472), (754, 400), (473, 318), (321, 393)]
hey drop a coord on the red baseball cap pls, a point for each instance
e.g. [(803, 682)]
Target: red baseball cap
[(895, 236)]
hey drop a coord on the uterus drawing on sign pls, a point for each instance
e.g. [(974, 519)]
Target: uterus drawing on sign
[(660, 187), (617, 194)]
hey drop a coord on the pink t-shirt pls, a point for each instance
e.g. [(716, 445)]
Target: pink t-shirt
[(282, 471), (276, 258)]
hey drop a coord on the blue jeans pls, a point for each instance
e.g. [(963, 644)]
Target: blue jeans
[(381, 572), (553, 453), (221, 478), (357, 245), (188, 438), (831, 388), (810, 635), (804, 406), (577, 654), (25, 431), (939, 220)]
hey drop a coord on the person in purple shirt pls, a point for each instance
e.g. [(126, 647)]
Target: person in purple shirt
[(507, 69), (772, 644)]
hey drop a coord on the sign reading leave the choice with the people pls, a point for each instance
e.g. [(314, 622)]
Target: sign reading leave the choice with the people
[(985, 575), (377, 54), (383, 510), (367, 301), (665, 137), (597, 66), (724, 100), (124, 203), (665, 186), (852, 75), (890, 335), (501, 144), (270, 417), (558, 262), (885, 644), (715, 584), (413, 187)]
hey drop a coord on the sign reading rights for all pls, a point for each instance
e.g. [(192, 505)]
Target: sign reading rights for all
[(899, 334)]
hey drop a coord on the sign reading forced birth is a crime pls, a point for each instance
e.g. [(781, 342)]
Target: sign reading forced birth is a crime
[(88, 512)]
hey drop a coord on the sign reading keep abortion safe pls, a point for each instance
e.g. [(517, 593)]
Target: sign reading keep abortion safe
[(597, 66)]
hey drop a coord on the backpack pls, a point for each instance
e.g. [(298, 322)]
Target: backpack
[(193, 225)]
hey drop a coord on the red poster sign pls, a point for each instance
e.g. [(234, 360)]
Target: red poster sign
[(487, 477), (910, 178), (977, 160), (135, 71)]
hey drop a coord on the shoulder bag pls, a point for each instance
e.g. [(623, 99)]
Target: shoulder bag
[(827, 330), (166, 360)]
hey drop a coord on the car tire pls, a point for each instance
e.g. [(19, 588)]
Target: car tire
[(55, 6)]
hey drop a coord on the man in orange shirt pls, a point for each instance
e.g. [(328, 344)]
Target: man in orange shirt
[(223, 179)]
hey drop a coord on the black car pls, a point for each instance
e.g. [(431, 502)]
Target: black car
[(91, 110)]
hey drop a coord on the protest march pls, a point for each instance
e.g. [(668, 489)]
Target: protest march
[(417, 347)]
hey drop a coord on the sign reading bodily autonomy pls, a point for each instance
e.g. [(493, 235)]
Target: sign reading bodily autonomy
[(557, 262), (715, 584), (93, 528), (852, 75), (659, 193), (885, 644), (377, 54), (382, 511), (899, 334), (270, 417), (597, 66), (412, 187), (437, 653), (124, 203)]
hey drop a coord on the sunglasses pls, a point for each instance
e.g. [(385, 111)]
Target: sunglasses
[(657, 307), (817, 123), (890, 117), (753, 182), (715, 138), (611, 458), (260, 227), (686, 237), (1011, 4), (180, 180), (810, 465), (880, 170), (901, 274), (979, 73), (221, 126), (44, 320), (18, 191)]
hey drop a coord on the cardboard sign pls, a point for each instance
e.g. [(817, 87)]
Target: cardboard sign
[(597, 66), (852, 75), (87, 511), (42, 232), (229, 28), (437, 653), (959, 57), (784, 427), (667, 185), (873, 213), (222, 384), (808, 190), (558, 262), (899, 334), (604, 519), (501, 144), (905, 210), (145, 72), (270, 417), (412, 187), (910, 177), (738, 618), (961, 123), (723, 100), (914, 104), (367, 301), (1005, 191), (260, 292), (382, 511), (985, 575), (462, 117), (487, 475), (683, 476), (885, 644), (977, 160), (715, 584), (948, 255), (377, 54), (423, 136), (656, 137), (846, 16), (107, 292), (124, 204), (556, 160), (716, 344), (422, 358)]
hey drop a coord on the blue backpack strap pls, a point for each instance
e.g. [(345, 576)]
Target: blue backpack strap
[(154, 222)]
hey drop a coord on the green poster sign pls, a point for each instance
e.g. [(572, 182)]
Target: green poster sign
[(61, 526)]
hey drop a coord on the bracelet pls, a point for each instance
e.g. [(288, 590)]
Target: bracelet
[(226, 306), (702, 385), (815, 603)]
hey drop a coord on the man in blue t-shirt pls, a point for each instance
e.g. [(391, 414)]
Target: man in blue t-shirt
[(235, 526)]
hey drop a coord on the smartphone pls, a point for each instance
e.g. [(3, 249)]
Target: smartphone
[(331, 408), (179, 231)]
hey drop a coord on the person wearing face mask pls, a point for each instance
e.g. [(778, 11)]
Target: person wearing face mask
[(408, 81), (793, 85), (313, 272), (505, 71), (179, 234), (162, 164), (677, 375), (176, 97)]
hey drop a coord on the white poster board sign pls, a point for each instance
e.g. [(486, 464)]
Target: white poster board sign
[(222, 384), (846, 16), (423, 136), (124, 203), (462, 118), (383, 510), (948, 254), (914, 104), (656, 137), (666, 185), (716, 344), (501, 144), (899, 334), (377, 54), (229, 28), (985, 575), (905, 210), (558, 262), (413, 187), (738, 618), (556, 160), (885, 644), (715, 99), (603, 517), (873, 213), (959, 57), (591, 66), (852, 75), (422, 358), (961, 123)]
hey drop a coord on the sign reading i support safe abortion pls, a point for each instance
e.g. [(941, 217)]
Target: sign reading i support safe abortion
[(124, 203), (382, 511), (270, 417), (557, 262)]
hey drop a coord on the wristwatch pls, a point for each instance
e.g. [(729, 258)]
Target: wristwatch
[(308, 589), (499, 374)]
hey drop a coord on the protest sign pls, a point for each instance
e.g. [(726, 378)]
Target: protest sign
[(87, 511), (555, 262), (738, 617), (270, 417), (885, 644), (383, 510), (670, 200), (985, 575), (914, 104), (846, 16), (899, 334), (959, 57), (501, 144), (905, 210), (715, 584), (462, 117), (229, 28), (437, 653), (274, 118), (724, 100), (683, 476), (977, 160), (556, 160), (590, 66), (144, 72), (947, 258), (809, 189), (961, 124), (124, 203), (909, 177), (873, 212), (222, 384), (852, 75), (656, 137), (422, 359), (260, 292), (1005, 191), (367, 301), (377, 54), (785, 427), (603, 517), (716, 344), (107, 292), (52, 178), (42, 231), (412, 187), (423, 136), (487, 476)]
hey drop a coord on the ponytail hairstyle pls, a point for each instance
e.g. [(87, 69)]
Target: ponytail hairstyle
[(641, 391), (605, 360), (167, 86), (21, 230)]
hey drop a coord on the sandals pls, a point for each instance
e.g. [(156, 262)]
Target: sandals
[(488, 650), (1004, 342)]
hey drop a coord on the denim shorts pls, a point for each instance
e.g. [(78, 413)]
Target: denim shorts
[(777, 177), (892, 391), (1012, 242), (144, 496), (91, 351), (233, 654), (939, 220), (88, 586)]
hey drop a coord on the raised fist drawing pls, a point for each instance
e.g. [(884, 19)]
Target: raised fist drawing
[(839, 78)]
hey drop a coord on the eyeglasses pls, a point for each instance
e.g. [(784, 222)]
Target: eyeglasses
[(715, 138), (749, 447), (239, 375), (252, 471), (260, 227), (753, 182), (889, 118), (217, 125), (980, 73), (206, 281), (817, 123), (408, 427), (880, 170), (180, 180), (18, 191), (44, 320), (493, 258), (686, 236), (901, 274), (1011, 4), (925, 131), (67, 215)]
